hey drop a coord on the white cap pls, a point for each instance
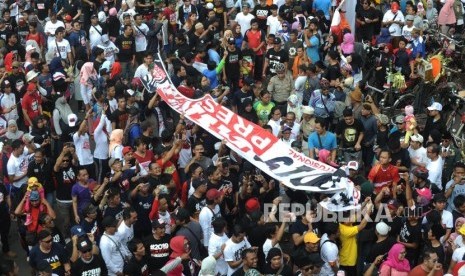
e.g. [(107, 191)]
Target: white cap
[(308, 110), (417, 138), (102, 17), (72, 119), (352, 165), (31, 75), (435, 106), (210, 6), (382, 228), (30, 47)]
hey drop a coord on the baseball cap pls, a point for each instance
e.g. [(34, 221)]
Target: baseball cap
[(72, 119), (277, 40), (34, 195), (94, 16), (231, 40), (84, 245), (252, 205), (352, 165), (112, 161), (400, 119), (409, 17), (286, 128), (158, 223), (249, 81), (382, 228), (435, 106), (213, 194), (126, 150), (393, 204), (417, 138), (77, 230), (109, 221), (311, 238), (245, 5)]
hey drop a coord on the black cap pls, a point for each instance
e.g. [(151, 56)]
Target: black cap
[(277, 40), (198, 182), (231, 40), (84, 244), (249, 81), (109, 221), (182, 214), (94, 16)]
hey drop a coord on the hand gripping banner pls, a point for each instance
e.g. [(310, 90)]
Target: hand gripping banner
[(258, 146)]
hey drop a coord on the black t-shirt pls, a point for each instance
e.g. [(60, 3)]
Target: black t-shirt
[(57, 237), (116, 212), (239, 97), (410, 234), (275, 57), (144, 10), (232, 64), (142, 205), (56, 258), (136, 267), (333, 72), (120, 118), (71, 8), (219, 14), (42, 7), (3, 204), (287, 12), (261, 14), (157, 251), (380, 248), (95, 267), (195, 204), (127, 48), (349, 133), (66, 177), (17, 48), (195, 41), (285, 271), (401, 156)]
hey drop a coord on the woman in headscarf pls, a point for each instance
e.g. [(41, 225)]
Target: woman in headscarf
[(60, 79), (431, 12), (116, 144), (13, 133), (447, 16), (347, 46), (88, 76), (8, 61), (41, 134), (396, 263), (384, 37), (275, 265), (294, 104), (284, 32)]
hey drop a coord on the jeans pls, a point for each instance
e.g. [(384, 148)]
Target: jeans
[(64, 211), (127, 70), (50, 197), (4, 231)]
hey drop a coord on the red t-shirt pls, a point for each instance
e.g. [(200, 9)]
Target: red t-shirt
[(146, 160), (35, 212), (31, 104), (383, 177), (419, 271)]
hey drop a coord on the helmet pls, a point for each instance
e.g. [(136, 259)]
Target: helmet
[(421, 173), (279, 68)]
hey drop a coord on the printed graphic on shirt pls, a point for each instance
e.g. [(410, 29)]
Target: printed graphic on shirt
[(93, 272)]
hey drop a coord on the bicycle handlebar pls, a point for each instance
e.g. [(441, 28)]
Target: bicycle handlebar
[(374, 88)]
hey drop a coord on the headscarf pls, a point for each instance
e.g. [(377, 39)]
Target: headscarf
[(58, 75), (456, 233), (393, 259), (347, 45), (116, 70), (284, 33), (8, 61), (87, 72), (296, 107), (208, 266), (431, 13), (116, 139), (384, 37), (63, 108), (13, 135)]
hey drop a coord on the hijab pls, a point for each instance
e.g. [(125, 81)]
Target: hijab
[(61, 104), (116, 139), (456, 233), (13, 135), (347, 45), (58, 75), (296, 107), (431, 13), (393, 259)]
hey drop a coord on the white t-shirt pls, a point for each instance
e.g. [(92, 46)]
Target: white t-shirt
[(273, 23), (62, 50), (110, 50), (407, 32), (244, 21), (458, 254), (418, 155), (95, 38), (447, 220), (459, 189), (232, 253), (394, 29), (329, 253), (214, 246), (101, 138), (125, 234), (8, 100), (435, 172), (83, 152), (267, 247), (205, 220), (139, 33), (141, 71), (18, 166), (51, 28)]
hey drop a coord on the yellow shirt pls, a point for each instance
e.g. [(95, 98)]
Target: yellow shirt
[(348, 251)]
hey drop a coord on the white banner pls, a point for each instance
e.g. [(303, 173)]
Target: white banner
[(258, 146)]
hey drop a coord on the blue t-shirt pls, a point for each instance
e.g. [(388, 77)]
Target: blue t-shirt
[(328, 141), (323, 5), (212, 77), (312, 51), (83, 196)]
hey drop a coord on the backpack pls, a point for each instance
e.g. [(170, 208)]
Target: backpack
[(126, 134)]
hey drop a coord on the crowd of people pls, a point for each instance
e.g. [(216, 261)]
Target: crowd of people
[(101, 177)]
